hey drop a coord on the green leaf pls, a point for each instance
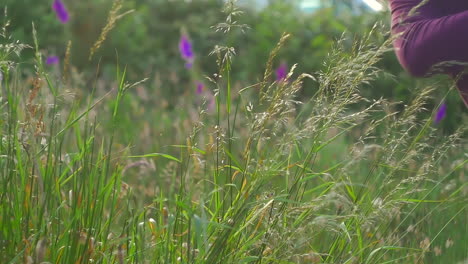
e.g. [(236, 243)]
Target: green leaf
[(152, 155), (192, 148)]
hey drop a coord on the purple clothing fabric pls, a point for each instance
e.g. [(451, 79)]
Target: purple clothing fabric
[(433, 33)]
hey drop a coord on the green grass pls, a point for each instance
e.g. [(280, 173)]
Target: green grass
[(262, 178)]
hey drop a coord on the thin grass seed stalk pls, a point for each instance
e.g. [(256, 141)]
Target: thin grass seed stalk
[(112, 19)]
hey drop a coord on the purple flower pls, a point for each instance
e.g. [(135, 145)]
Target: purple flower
[(52, 60), (61, 11), (281, 72), (200, 87), (441, 113), (185, 48), (188, 65)]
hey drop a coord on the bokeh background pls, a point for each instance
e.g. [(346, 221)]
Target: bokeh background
[(147, 41)]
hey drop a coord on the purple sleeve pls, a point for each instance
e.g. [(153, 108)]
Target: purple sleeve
[(436, 33), (424, 44)]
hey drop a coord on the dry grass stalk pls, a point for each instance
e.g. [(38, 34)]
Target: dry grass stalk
[(111, 20), (269, 65), (66, 64)]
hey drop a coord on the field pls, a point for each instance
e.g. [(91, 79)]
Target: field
[(218, 164)]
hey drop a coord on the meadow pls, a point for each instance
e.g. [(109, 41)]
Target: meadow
[(98, 165)]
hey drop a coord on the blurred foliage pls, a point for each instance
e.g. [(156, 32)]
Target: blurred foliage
[(147, 42)]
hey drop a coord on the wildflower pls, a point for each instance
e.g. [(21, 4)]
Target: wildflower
[(52, 60), (61, 11), (185, 48), (281, 72), (441, 113), (200, 88)]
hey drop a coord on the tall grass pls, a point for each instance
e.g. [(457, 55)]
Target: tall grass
[(267, 178)]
